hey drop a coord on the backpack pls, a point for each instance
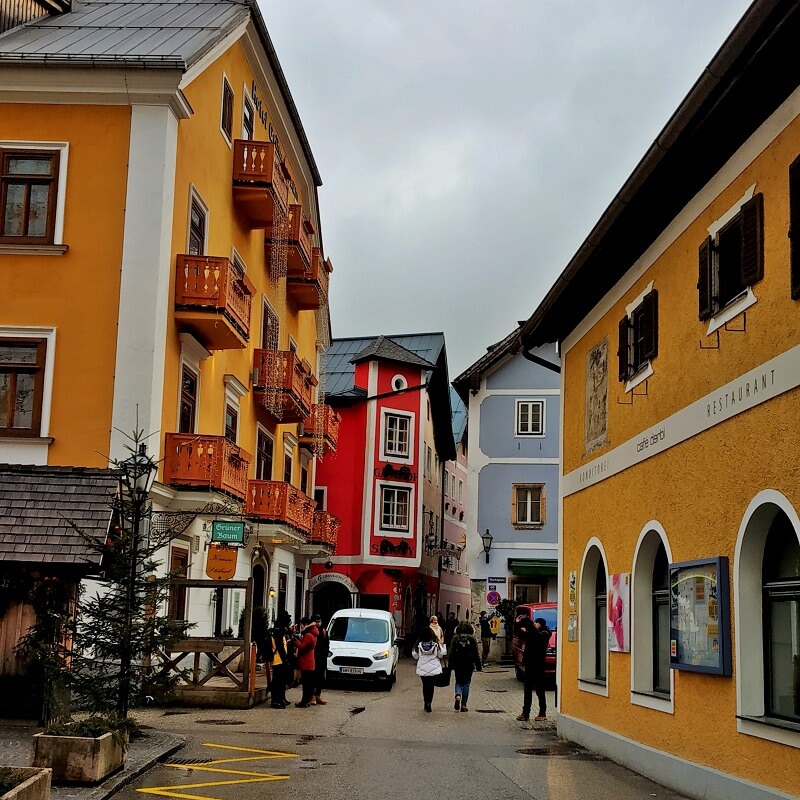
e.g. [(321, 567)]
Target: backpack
[(460, 650)]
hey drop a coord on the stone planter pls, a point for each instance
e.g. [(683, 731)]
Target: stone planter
[(78, 759), (34, 784)]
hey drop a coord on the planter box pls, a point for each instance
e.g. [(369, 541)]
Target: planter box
[(77, 759), (34, 784)]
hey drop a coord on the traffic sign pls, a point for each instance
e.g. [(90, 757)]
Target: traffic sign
[(493, 598)]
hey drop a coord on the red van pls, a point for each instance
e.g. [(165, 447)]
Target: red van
[(549, 612)]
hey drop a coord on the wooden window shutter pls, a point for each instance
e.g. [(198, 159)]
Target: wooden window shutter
[(650, 326), (704, 290), (753, 240), (623, 351), (794, 227)]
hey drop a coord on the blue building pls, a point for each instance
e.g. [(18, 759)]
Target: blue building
[(514, 406)]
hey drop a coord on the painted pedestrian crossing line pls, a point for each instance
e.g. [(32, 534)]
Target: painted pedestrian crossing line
[(236, 776)]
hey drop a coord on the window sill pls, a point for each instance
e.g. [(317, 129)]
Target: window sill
[(770, 728), (524, 527), (773, 722), (640, 377), (657, 701), (32, 440), (731, 311), (593, 686), (33, 249)]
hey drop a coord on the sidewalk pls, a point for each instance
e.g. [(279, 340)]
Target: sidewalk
[(16, 747)]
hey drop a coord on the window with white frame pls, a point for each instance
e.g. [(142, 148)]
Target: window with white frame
[(446, 482), (530, 418), (453, 486), (397, 435), (22, 366), (460, 490), (428, 460), (527, 505), (395, 508), (593, 637)]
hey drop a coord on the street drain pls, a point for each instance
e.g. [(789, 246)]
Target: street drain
[(357, 710), (564, 751), (185, 761), (497, 690), (490, 710), (219, 722)]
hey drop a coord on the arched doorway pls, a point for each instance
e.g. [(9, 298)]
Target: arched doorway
[(259, 586), (329, 597)]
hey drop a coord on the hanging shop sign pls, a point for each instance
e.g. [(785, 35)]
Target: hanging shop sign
[(227, 532), (221, 562)]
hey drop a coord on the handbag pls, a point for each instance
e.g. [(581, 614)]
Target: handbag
[(443, 679)]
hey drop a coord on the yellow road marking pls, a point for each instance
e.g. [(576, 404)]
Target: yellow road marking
[(251, 777)]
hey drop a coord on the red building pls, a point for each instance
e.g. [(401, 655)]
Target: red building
[(385, 481)]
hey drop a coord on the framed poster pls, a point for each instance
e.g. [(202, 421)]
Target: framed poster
[(619, 613), (699, 616)]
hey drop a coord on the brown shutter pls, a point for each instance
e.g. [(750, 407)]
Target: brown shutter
[(794, 227), (622, 352), (753, 240), (649, 326), (704, 294)]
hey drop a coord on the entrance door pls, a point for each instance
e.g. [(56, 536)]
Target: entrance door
[(283, 580), (259, 584), (298, 594), (178, 565), (330, 597)]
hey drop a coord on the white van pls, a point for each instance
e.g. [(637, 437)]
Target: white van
[(363, 645)]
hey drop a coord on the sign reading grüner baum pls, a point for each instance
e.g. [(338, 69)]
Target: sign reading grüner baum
[(227, 532)]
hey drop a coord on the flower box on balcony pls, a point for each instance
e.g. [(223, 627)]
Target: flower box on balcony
[(280, 503), (260, 184), (205, 462), (284, 383), (213, 300)]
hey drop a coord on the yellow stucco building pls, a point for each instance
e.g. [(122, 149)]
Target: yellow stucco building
[(679, 331), (163, 268)]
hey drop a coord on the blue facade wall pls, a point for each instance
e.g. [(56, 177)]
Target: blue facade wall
[(521, 372), (498, 437)]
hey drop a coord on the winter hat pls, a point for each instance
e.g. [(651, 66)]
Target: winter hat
[(542, 621)]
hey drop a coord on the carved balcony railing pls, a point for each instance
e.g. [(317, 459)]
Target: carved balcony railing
[(325, 530), (284, 384), (205, 462), (321, 429), (260, 182), (213, 300), (310, 291), (280, 503)]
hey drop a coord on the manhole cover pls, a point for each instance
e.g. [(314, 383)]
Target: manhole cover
[(562, 751), (497, 690), (219, 722), (490, 711), (185, 761), (357, 710)]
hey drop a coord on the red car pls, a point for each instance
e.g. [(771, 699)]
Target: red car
[(549, 612)]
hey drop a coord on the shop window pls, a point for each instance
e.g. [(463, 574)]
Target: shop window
[(600, 624), (638, 337), (530, 418), (593, 636), (732, 260), (660, 612), (22, 364), (28, 196), (527, 505)]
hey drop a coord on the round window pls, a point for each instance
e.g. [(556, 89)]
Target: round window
[(399, 382)]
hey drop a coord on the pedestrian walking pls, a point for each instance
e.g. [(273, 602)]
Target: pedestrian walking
[(486, 637), (536, 637), (428, 654), (281, 675), (450, 627), (320, 661), (305, 660), (463, 659), (437, 629)]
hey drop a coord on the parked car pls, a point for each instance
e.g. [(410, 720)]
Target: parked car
[(549, 612), (363, 646)]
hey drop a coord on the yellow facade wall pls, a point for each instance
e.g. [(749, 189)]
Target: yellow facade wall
[(698, 490), (78, 292), (205, 163)]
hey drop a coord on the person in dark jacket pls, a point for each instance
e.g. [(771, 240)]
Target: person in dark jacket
[(536, 636), (463, 658), (305, 660), (320, 660), (450, 628), (280, 636), (486, 636)]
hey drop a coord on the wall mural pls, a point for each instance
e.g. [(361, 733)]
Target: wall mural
[(596, 423)]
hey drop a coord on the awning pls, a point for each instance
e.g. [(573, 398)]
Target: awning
[(532, 567)]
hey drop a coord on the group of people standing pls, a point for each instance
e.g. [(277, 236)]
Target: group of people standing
[(298, 656)]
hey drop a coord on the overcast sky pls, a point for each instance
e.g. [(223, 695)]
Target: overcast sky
[(467, 147)]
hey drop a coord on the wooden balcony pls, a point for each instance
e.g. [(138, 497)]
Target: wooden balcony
[(280, 503), (260, 182), (325, 530), (321, 428), (299, 241), (310, 291), (213, 301), (285, 384), (205, 462)]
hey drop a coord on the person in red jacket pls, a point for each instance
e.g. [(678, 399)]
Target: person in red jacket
[(305, 660)]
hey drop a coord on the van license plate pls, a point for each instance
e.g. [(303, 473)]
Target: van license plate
[(351, 670)]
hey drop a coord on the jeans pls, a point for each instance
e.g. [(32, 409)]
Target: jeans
[(428, 685), (463, 690), (534, 681)]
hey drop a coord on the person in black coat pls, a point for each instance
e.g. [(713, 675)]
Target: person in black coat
[(536, 636), (463, 659)]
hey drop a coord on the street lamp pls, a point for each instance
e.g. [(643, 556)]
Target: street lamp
[(138, 472), (487, 540)]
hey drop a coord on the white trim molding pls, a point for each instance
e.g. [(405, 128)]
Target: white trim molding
[(587, 633)]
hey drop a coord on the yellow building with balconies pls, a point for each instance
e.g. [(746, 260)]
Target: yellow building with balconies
[(163, 270)]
